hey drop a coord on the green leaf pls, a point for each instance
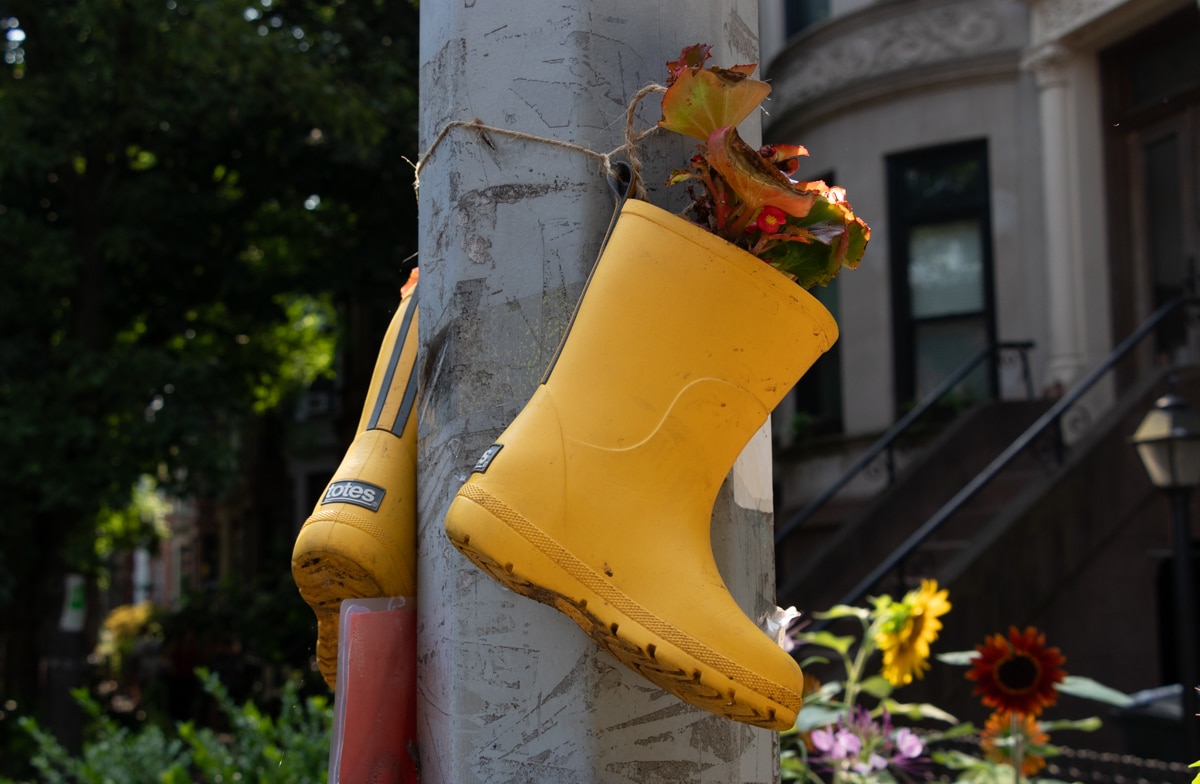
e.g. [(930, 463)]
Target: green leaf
[(841, 644), (957, 731), (816, 716), (1090, 724), (958, 658), (829, 238), (917, 710), (827, 691), (877, 686), (1079, 686), (843, 611), (955, 759)]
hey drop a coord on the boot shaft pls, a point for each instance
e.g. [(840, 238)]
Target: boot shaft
[(671, 309), (389, 405)]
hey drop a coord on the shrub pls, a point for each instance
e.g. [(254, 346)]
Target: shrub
[(291, 748)]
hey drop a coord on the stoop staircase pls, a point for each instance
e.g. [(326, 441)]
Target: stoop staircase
[(1027, 520), (819, 577)]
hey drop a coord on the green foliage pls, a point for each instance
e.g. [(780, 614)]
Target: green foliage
[(292, 747), (140, 524), (846, 723), (171, 275), (840, 243), (304, 347), (266, 615), (198, 201)]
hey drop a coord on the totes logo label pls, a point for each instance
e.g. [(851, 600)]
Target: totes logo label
[(358, 493), (485, 460)]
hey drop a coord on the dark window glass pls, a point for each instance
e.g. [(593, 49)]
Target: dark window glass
[(818, 394), (799, 14)]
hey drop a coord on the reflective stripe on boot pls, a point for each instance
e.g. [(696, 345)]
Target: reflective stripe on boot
[(597, 499), (360, 541)]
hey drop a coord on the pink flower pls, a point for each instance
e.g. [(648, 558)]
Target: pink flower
[(837, 745), (874, 762), (908, 745)]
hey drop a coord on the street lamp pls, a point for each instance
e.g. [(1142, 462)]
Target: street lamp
[(1168, 442)]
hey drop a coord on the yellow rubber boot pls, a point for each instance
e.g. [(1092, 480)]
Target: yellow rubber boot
[(360, 541), (597, 499)]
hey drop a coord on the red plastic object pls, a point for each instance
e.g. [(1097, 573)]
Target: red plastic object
[(375, 707)]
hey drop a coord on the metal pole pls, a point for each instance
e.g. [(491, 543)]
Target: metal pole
[(1185, 613), (511, 690)]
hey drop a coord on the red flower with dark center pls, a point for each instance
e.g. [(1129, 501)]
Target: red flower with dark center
[(770, 219), (1017, 674)]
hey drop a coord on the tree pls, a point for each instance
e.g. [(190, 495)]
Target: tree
[(203, 203)]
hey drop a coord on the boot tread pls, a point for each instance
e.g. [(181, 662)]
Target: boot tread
[(688, 683)]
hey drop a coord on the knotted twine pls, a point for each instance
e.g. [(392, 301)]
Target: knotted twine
[(628, 148)]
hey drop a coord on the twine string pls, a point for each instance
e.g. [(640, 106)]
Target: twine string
[(628, 148)]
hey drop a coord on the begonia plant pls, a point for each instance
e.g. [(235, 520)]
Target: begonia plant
[(805, 229)]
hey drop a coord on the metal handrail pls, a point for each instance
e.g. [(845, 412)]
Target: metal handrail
[(1032, 433), (886, 441)]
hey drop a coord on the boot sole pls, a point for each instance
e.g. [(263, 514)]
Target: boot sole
[(325, 578), (510, 549)]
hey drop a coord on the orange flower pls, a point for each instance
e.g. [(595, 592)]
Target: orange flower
[(1019, 673), (998, 740)]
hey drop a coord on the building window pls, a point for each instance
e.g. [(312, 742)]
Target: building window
[(799, 14), (1151, 84), (818, 395), (815, 407), (939, 214)]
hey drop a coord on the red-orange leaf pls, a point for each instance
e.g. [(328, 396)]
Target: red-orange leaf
[(754, 179), (700, 102), (785, 156), (693, 57)]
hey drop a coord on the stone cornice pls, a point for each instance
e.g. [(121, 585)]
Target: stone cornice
[(1054, 20), (1048, 62), (890, 39), (786, 121), (1091, 24)]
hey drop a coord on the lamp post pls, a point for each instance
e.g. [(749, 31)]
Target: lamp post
[(1168, 442)]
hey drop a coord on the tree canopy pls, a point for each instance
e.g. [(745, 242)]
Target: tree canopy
[(205, 206)]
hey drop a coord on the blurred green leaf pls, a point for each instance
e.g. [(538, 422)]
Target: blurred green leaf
[(1080, 686), (825, 639), (958, 658)]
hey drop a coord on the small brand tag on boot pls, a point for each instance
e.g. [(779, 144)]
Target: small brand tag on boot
[(485, 460), (350, 491)]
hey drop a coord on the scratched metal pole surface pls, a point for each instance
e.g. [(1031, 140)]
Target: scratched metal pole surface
[(510, 690)]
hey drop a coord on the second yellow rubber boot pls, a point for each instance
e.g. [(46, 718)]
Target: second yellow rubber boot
[(597, 499), (360, 541)]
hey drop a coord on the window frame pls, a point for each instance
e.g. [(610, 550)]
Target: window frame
[(903, 218)]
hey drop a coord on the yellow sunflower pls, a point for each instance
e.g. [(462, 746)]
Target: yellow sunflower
[(913, 625)]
